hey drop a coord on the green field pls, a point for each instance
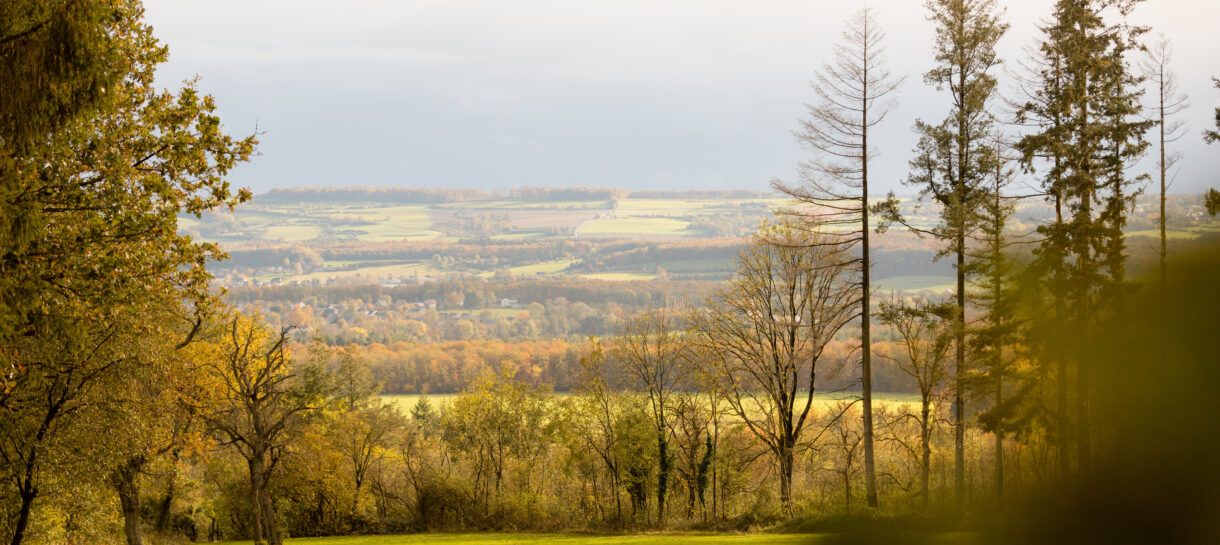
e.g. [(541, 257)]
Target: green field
[(914, 283), (557, 539), (637, 226)]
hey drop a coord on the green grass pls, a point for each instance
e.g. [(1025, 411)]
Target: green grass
[(557, 539), (545, 267), (404, 402), (292, 233)]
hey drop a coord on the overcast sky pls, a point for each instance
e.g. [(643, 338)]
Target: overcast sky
[(636, 94)]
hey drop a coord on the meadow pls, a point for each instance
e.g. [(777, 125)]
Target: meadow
[(558, 539)]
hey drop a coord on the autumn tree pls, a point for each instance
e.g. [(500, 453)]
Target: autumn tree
[(262, 400), (768, 329), (852, 94), (501, 424), (91, 237), (650, 350)]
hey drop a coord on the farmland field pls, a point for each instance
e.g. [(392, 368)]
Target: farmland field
[(820, 401), (637, 226), (575, 231)]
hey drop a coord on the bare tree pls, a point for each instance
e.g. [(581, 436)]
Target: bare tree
[(650, 349), (769, 327), (851, 93), (925, 331), (1170, 101)]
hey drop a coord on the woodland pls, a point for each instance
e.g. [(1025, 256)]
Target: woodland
[(1061, 391)]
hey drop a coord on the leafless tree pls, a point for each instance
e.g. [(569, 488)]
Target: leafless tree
[(925, 333), (1169, 102), (852, 93), (770, 326)]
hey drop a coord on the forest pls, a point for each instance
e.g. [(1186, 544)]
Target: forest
[(1061, 391)]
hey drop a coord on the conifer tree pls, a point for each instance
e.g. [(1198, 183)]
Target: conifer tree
[(954, 158), (1087, 115)]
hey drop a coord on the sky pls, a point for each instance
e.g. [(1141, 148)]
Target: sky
[(638, 94)]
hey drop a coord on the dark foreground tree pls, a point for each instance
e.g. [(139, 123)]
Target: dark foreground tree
[(1086, 108)]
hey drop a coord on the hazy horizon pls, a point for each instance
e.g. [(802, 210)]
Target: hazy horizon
[(634, 95)]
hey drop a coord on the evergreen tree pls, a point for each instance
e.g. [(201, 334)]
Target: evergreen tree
[(954, 158), (1087, 115)]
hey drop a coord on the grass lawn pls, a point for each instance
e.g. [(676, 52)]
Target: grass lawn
[(557, 539)]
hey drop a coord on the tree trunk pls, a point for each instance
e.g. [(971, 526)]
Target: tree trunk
[(256, 509), (785, 478), (925, 463), (866, 347), (124, 481), (663, 472), (163, 512), (23, 516), (959, 383)]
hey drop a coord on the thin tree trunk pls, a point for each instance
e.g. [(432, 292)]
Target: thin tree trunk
[(23, 516), (959, 382), (925, 440), (866, 364), (663, 472), (1061, 364)]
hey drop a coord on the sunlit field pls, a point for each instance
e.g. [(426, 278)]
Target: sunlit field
[(558, 539)]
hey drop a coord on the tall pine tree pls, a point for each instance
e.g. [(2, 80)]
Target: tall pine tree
[(1087, 114)]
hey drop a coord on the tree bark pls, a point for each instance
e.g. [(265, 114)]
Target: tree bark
[(785, 478), (23, 516), (163, 511), (663, 472), (124, 481), (925, 464), (959, 382)]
